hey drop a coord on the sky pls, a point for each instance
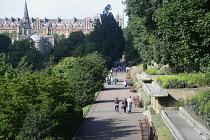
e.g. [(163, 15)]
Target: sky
[(65, 9)]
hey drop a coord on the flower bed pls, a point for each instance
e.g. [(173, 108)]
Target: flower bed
[(200, 104), (185, 80)]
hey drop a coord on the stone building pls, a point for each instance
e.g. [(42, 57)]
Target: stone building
[(59, 26), (42, 30)]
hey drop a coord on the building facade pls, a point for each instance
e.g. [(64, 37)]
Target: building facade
[(42, 30), (59, 26)]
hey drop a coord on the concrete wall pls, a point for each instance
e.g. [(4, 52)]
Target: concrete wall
[(168, 103), (185, 93)]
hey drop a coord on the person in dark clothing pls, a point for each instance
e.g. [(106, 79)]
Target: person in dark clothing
[(125, 104)]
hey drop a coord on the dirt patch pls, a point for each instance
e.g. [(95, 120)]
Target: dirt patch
[(196, 117)]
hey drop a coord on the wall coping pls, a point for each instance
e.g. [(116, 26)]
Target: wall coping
[(175, 132)]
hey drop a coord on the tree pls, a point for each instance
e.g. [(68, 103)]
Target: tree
[(25, 101), (131, 54), (85, 76), (6, 70), (25, 48), (184, 27), (142, 26), (66, 47), (4, 43), (108, 36)]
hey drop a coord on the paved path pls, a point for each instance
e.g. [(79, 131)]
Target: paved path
[(103, 123)]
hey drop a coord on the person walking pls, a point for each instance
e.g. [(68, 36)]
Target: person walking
[(130, 102), (125, 84), (116, 102), (124, 106)]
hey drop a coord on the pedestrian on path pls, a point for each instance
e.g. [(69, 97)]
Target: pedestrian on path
[(125, 84), (125, 104), (116, 102), (130, 102)]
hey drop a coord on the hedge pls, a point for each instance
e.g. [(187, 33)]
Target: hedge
[(146, 99)]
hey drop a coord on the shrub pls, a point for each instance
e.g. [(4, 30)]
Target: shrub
[(152, 111), (165, 84), (146, 99), (178, 81), (37, 125), (154, 72), (200, 104), (178, 104)]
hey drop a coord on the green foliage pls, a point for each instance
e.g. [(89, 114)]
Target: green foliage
[(146, 99), (131, 54), (185, 80), (171, 32), (37, 125), (39, 100), (4, 43), (181, 25), (108, 37), (200, 104), (154, 72), (161, 129), (6, 69), (84, 75), (10, 35), (152, 111), (24, 50), (179, 103)]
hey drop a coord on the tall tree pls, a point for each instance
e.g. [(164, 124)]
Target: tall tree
[(4, 43), (142, 25), (108, 36), (131, 54), (185, 26)]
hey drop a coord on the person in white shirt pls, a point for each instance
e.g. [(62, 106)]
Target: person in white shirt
[(125, 84), (130, 102)]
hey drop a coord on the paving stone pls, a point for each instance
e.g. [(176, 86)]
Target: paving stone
[(103, 123)]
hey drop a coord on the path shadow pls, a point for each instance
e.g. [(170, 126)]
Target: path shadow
[(113, 88), (104, 101), (107, 129)]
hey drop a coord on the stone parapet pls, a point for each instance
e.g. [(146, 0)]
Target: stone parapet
[(174, 130)]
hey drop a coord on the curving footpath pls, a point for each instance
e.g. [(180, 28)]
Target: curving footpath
[(103, 123)]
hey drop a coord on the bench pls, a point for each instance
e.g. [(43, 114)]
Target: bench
[(136, 101), (144, 126), (132, 89)]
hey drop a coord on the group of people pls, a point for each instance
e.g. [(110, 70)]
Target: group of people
[(111, 80), (126, 103)]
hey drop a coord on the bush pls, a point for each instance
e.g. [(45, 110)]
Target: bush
[(152, 111), (154, 72), (200, 104), (178, 81), (146, 99), (37, 125), (178, 104), (161, 129), (165, 84)]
